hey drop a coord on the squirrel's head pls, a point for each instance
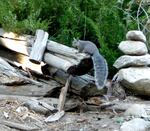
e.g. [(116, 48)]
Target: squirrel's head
[(75, 42)]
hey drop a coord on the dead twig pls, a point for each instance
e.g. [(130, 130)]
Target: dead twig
[(62, 96)]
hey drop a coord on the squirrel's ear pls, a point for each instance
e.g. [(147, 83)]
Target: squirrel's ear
[(74, 39), (74, 42)]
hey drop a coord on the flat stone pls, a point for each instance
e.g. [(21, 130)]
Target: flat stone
[(136, 35), (133, 47), (127, 61), (136, 124), (136, 110), (135, 79)]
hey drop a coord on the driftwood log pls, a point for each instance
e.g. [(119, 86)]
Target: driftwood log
[(39, 46)]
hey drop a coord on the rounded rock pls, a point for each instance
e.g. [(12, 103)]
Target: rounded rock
[(136, 35), (133, 47), (132, 61)]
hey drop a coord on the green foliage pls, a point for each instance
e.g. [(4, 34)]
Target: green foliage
[(95, 20), (135, 13), (22, 16)]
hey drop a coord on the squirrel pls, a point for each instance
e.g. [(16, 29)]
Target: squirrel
[(99, 62)]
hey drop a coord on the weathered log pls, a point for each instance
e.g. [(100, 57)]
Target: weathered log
[(28, 90), (37, 106), (39, 47), (57, 62), (15, 45), (28, 39), (65, 50), (10, 77), (76, 63), (82, 85), (20, 60)]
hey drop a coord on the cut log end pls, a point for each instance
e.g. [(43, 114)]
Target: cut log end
[(82, 68), (35, 61)]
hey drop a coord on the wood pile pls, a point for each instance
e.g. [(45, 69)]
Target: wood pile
[(58, 60), (37, 67)]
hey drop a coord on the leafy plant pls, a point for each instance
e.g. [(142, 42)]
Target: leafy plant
[(135, 14), (22, 16)]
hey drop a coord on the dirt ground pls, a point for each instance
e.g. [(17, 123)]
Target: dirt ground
[(104, 120), (89, 121)]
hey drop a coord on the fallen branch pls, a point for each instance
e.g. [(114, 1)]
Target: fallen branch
[(18, 126), (39, 107), (55, 117), (63, 93)]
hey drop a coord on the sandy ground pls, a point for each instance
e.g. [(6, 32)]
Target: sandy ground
[(71, 121)]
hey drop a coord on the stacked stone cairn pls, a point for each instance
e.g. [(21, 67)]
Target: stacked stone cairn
[(134, 70)]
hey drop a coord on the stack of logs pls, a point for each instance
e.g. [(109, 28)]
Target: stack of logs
[(58, 60)]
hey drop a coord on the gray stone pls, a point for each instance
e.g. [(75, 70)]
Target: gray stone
[(136, 110), (136, 35), (135, 79), (133, 47), (126, 61), (136, 124)]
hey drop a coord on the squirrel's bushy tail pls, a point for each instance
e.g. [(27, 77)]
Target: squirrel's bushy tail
[(100, 70)]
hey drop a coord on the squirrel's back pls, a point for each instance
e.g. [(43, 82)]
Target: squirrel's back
[(85, 46)]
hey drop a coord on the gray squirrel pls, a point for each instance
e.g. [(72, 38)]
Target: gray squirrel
[(100, 64)]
